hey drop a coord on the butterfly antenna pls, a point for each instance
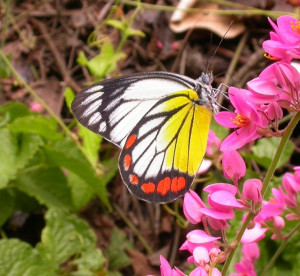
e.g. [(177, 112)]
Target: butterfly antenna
[(223, 107), (215, 52)]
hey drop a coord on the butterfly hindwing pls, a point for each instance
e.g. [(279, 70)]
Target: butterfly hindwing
[(113, 107), (164, 150)]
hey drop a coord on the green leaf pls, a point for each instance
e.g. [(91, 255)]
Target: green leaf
[(43, 126), (105, 62), (4, 69), (13, 110), (15, 153), (132, 32), (81, 192), (90, 261), (69, 97), (116, 24), (47, 184), (81, 59), (8, 153), (6, 205), (64, 236), (220, 131), (291, 253), (264, 150), (116, 251), (90, 143), (25, 202), (90, 140), (66, 154), (29, 144), (19, 258)]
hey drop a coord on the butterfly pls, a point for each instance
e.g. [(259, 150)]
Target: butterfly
[(160, 121)]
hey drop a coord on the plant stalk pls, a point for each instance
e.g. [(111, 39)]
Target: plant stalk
[(283, 142)]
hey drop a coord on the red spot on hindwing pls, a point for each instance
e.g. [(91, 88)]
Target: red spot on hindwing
[(163, 186), (133, 179), (130, 141), (148, 188), (127, 162), (178, 184)]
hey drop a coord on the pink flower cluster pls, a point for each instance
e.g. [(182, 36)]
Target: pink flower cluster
[(276, 88), (285, 40), (257, 112)]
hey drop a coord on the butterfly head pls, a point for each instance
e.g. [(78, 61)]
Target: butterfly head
[(207, 93)]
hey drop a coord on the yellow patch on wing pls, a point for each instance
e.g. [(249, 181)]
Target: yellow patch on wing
[(185, 134)]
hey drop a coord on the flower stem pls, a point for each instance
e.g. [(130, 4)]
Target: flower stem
[(236, 242), (283, 142)]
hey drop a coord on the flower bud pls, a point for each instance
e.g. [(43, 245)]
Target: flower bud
[(251, 190), (278, 222), (234, 166)]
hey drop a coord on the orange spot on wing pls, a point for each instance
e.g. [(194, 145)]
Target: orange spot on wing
[(130, 141), (127, 162), (164, 185), (148, 188), (178, 184), (133, 179)]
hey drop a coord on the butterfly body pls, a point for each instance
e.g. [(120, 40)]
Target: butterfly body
[(160, 121)]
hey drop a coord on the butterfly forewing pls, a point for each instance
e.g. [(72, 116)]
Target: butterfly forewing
[(113, 107), (160, 120), (164, 150)]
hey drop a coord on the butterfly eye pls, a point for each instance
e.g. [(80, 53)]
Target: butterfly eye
[(206, 78)]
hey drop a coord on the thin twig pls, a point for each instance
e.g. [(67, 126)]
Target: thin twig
[(133, 229), (175, 243), (62, 67), (253, 60)]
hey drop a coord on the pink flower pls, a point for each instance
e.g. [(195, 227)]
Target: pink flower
[(284, 42), (246, 120), (274, 111), (278, 223), (280, 82), (290, 184), (213, 143), (36, 107), (222, 200), (166, 269), (234, 166), (217, 224), (252, 189), (255, 234), (273, 207), (199, 271), (198, 238), (246, 266), (297, 173), (205, 165), (191, 207), (195, 210), (200, 256), (251, 251)]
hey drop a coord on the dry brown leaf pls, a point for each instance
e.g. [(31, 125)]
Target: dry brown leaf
[(140, 264), (154, 259), (216, 23)]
